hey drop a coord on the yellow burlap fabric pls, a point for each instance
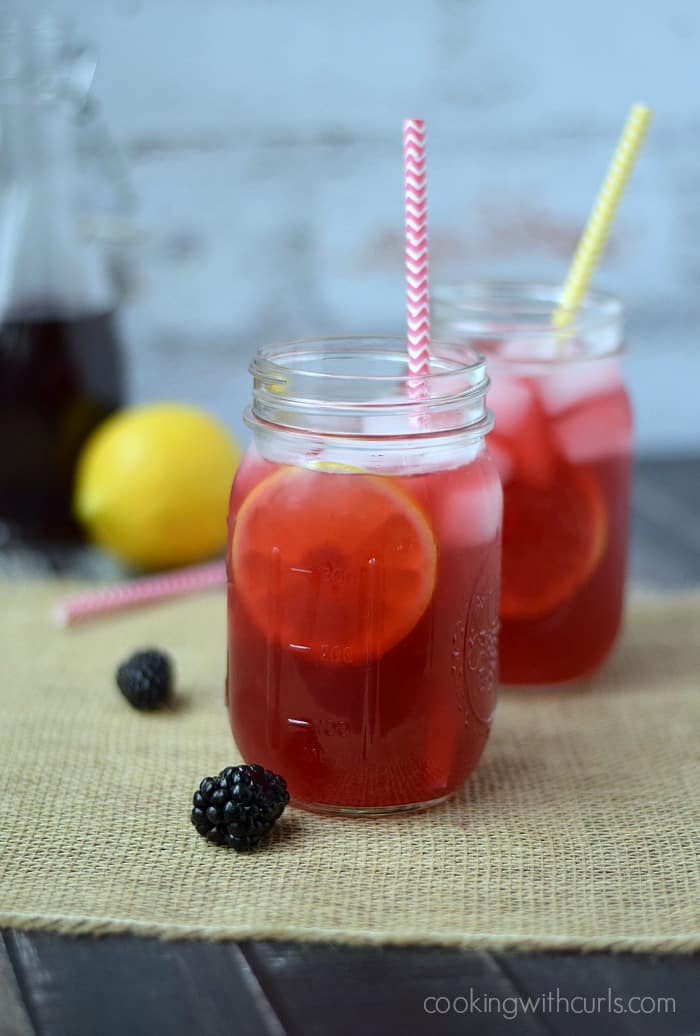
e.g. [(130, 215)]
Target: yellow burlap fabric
[(581, 827)]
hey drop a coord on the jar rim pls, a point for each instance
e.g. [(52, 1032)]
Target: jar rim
[(350, 385), (264, 361), (474, 305)]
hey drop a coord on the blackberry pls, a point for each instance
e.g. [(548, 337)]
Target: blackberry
[(240, 806), (145, 680)]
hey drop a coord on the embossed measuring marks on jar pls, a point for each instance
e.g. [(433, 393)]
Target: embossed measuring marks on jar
[(335, 652)]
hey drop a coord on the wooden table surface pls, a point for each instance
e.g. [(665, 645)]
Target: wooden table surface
[(123, 985)]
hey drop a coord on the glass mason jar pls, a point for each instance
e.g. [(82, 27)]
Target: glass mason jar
[(562, 443), (363, 568)]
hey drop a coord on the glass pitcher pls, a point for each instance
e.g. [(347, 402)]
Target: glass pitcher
[(60, 360)]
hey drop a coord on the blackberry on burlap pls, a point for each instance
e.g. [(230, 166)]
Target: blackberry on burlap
[(146, 680), (240, 806)]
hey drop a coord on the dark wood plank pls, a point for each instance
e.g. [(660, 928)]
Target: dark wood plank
[(20, 560), (112, 985), (318, 990), (658, 559), (84, 562), (17, 562), (14, 1018), (127, 984), (669, 985), (677, 477), (665, 541)]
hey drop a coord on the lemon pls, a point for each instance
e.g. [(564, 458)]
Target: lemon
[(334, 465), (153, 483)]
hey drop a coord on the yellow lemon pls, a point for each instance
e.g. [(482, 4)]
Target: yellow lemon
[(334, 465), (153, 482)]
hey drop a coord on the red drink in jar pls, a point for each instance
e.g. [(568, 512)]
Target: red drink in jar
[(562, 443), (363, 576)]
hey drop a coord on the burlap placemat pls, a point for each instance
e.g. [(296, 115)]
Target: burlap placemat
[(580, 828)]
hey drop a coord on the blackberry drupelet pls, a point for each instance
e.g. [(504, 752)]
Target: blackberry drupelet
[(145, 680), (240, 806)]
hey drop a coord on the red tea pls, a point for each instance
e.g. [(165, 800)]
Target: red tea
[(59, 376), (562, 443), (363, 613)]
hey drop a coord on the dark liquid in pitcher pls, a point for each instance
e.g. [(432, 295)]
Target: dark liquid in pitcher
[(59, 376)]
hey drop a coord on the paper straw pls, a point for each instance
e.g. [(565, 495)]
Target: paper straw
[(595, 235), (418, 307), (136, 592)]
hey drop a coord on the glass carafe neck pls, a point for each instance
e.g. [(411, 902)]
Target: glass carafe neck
[(47, 262)]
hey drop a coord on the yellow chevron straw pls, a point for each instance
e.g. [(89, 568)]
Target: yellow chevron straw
[(593, 239)]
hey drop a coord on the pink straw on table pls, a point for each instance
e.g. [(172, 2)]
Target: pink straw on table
[(136, 592), (416, 223)]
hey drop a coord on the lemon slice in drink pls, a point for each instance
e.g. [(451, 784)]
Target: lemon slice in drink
[(337, 569)]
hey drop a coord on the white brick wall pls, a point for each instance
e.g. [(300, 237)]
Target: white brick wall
[(263, 138)]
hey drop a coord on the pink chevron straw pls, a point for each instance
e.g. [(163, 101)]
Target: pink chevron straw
[(418, 304), (137, 592)]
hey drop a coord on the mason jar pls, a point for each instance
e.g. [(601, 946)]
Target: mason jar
[(563, 446), (363, 574)]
